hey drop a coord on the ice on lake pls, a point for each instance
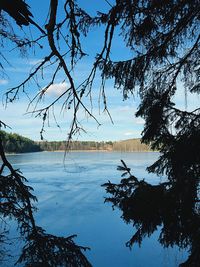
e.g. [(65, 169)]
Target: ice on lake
[(71, 201)]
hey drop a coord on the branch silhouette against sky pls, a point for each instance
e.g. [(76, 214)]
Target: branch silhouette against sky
[(74, 84), (78, 56)]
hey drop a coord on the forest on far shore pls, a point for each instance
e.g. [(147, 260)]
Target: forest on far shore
[(15, 143), (129, 145)]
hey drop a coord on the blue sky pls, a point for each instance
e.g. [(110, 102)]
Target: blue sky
[(15, 114)]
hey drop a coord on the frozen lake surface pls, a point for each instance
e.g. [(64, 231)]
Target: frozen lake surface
[(71, 201)]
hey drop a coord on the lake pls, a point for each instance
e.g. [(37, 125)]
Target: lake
[(71, 201)]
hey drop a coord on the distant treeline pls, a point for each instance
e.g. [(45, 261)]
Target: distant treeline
[(125, 145), (14, 143), (75, 145), (130, 145)]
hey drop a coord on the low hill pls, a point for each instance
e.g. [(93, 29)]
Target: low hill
[(130, 145), (15, 143)]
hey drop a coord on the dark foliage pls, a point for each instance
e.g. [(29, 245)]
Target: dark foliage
[(43, 249), (165, 205), (40, 249), (163, 38), (18, 10), (14, 143)]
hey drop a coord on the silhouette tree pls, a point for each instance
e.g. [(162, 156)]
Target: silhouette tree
[(40, 249), (163, 37), (16, 198), (162, 30), (168, 205)]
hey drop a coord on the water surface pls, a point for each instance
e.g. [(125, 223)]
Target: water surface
[(71, 201)]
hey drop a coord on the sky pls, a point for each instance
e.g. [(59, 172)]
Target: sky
[(17, 115)]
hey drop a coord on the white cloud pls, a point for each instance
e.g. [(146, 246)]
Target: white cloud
[(57, 89), (186, 101), (128, 133), (33, 62), (3, 81), (126, 109), (139, 121), (133, 134)]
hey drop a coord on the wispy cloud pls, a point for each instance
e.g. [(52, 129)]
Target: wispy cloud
[(10, 70), (3, 82), (129, 133), (139, 121), (133, 134), (57, 89), (126, 109), (185, 100), (34, 61)]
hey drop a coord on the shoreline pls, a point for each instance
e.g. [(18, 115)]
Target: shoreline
[(97, 150), (90, 151)]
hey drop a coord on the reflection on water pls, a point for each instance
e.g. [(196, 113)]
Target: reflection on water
[(71, 201), (171, 206)]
